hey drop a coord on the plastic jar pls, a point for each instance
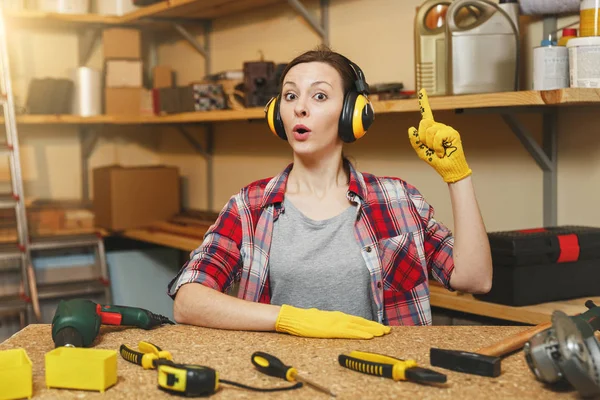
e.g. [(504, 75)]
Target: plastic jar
[(589, 15)]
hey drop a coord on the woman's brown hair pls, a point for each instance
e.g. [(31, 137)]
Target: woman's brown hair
[(325, 55)]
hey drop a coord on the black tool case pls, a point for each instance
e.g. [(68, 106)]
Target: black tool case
[(545, 264)]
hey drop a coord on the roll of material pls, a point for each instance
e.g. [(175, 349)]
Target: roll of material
[(87, 99), (543, 7)]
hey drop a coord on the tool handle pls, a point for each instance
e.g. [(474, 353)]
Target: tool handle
[(591, 316), (147, 347), (131, 355), (366, 367), (514, 342), (271, 365), (130, 316)]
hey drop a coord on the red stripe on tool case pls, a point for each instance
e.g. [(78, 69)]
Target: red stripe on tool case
[(569, 248), (532, 230)]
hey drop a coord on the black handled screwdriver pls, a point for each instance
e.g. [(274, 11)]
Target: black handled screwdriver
[(271, 365)]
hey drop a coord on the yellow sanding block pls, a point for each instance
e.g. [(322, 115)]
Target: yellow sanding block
[(81, 368), (15, 375)]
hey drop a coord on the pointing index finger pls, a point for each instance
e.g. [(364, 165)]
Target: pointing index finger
[(424, 105)]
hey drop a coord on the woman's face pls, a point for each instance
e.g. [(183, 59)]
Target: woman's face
[(311, 103)]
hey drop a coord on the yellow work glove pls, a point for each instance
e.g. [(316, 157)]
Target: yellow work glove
[(438, 145), (326, 324)]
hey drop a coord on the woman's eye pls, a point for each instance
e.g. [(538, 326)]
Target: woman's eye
[(290, 96), (321, 96)]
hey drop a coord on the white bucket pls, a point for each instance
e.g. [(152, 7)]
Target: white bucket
[(584, 59)]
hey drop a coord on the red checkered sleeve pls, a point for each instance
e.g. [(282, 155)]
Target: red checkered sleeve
[(216, 262), (438, 240)]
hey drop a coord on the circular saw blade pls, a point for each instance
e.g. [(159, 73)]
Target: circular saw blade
[(571, 342), (577, 363)]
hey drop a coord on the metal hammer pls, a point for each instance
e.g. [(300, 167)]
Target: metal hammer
[(485, 361)]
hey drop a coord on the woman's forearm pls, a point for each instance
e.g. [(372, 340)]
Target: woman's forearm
[(472, 256), (199, 305)]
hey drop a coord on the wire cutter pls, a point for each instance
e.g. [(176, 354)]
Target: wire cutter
[(150, 356)]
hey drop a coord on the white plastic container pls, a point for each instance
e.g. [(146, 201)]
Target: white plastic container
[(65, 6), (114, 7), (589, 17), (584, 59), (550, 67)]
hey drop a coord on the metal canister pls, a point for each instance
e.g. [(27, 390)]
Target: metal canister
[(550, 66)]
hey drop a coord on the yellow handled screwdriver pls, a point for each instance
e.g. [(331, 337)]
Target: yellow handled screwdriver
[(271, 365), (389, 367)]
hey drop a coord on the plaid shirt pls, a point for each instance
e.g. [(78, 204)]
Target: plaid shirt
[(402, 245)]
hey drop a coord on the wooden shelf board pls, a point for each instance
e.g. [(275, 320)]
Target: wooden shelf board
[(34, 18), (562, 97), (534, 314), (194, 9), (163, 239)]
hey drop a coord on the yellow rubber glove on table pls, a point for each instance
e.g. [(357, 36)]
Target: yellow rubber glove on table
[(438, 145), (326, 324)]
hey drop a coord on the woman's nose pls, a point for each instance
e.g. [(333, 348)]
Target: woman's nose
[(300, 109)]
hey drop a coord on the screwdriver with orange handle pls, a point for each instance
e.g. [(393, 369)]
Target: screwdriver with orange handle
[(271, 365)]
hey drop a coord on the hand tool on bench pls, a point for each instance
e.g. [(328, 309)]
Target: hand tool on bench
[(273, 366), (76, 322), (183, 379), (567, 352), (389, 367), (487, 361)]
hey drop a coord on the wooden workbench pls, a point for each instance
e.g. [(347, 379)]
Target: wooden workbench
[(229, 353)]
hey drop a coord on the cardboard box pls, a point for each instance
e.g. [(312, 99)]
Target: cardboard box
[(162, 77), (123, 101), (124, 73), (134, 197), (122, 43)]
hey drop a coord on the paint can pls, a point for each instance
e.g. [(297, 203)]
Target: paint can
[(550, 66), (584, 59)]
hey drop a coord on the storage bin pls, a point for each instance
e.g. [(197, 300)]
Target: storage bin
[(15, 374), (546, 264), (81, 368)]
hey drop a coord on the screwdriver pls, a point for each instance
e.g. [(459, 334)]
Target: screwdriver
[(389, 367), (271, 365)]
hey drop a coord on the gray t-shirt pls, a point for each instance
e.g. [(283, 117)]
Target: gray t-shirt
[(319, 264)]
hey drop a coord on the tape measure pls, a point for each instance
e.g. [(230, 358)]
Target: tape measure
[(188, 380)]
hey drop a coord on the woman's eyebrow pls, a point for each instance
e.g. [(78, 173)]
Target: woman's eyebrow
[(312, 84), (325, 82)]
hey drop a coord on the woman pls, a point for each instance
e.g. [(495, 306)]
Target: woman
[(322, 250)]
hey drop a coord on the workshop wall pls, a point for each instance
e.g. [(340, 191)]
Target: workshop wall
[(378, 35)]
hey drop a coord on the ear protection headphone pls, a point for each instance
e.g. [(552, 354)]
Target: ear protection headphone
[(356, 117)]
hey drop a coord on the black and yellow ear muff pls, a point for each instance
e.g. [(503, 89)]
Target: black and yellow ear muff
[(274, 118), (357, 112), (356, 117)]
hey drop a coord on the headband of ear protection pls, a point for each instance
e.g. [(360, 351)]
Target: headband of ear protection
[(356, 117)]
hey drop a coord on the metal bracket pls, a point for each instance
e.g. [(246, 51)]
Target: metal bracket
[(207, 151), (86, 43), (88, 138), (545, 156), (322, 28), (203, 50)]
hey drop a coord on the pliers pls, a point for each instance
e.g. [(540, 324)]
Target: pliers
[(150, 356)]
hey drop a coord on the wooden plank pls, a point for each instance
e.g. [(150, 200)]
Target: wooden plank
[(534, 314), (195, 9), (34, 18), (163, 239), (190, 231), (562, 97)]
